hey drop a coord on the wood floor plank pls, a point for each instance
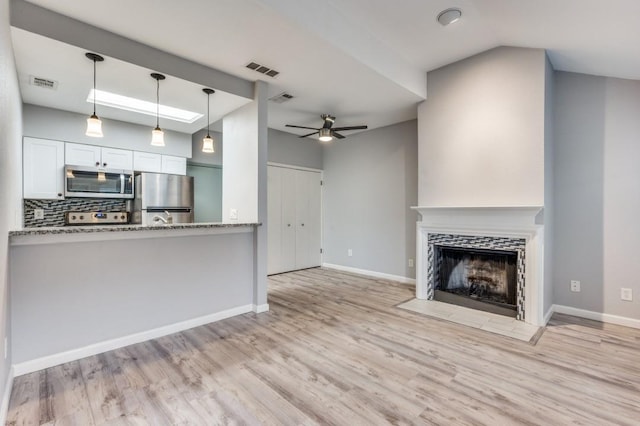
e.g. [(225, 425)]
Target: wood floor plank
[(334, 349)]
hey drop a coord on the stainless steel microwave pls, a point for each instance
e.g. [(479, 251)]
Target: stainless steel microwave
[(92, 182)]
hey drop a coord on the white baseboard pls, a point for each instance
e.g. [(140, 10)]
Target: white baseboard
[(4, 408), (548, 315), (258, 309), (108, 345), (404, 280), (597, 316)]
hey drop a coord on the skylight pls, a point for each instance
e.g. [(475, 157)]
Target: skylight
[(143, 107)]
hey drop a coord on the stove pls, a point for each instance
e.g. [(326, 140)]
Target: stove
[(95, 218)]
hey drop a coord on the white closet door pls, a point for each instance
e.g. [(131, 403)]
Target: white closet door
[(307, 219), (274, 212), (289, 247)]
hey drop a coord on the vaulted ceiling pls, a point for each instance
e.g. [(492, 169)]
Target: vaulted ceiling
[(365, 61)]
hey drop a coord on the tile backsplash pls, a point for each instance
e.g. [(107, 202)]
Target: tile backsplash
[(54, 209)]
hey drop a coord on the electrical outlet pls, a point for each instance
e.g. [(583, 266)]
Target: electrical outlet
[(626, 294), (349, 252), (575, 286), (233, 214), (410, 263), (38, 214)]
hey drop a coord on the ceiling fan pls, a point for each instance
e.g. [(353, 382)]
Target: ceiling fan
[(327, 131)]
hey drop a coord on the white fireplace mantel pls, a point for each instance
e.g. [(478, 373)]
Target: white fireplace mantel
[(512, 222)]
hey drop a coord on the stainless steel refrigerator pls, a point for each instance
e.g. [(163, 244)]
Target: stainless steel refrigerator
[(162, 199)]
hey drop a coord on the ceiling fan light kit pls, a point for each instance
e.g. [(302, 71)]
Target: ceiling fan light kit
[(327, 132), (157, 135), (325, 135), (207, 141), (94, 124)]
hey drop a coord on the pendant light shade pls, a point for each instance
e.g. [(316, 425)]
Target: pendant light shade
[(94, 125), (207, 141), (157, 135)]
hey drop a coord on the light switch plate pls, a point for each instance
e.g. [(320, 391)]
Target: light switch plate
[(233, 214)]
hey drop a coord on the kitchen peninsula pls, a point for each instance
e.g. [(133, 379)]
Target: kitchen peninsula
[(78, 291)]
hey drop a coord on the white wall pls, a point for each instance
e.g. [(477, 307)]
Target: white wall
[(597, 182), (481, 131), (10, 183), (240, 159), (549, 180), (370, 183), (285, 148), (48, 123)]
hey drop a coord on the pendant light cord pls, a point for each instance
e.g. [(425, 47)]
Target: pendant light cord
[(208, 115), (94, 87), (157, 103)]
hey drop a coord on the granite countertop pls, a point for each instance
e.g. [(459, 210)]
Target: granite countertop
[(60, 230)]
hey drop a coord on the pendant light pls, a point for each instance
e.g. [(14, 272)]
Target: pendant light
[(94, 125), (207, 141), (157, 135)]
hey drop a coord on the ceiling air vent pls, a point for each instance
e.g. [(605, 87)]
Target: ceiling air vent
[(45, 83), (262, 69), (282, 97)]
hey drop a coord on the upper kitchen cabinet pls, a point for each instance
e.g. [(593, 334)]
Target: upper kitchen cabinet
[(158, 163), (174, 165), (43, 169), (147, 162), (95, 156)]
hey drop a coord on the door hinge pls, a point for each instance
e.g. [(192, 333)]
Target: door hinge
[(321, 183), (320, 251)]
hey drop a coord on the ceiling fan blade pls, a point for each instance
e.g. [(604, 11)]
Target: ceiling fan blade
[(301, 127), (337, 135), (350, 128), (304, 136)]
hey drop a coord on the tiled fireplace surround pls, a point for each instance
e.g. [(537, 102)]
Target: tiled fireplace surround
[(517, 229)]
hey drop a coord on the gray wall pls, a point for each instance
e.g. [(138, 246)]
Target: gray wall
[(481, 131), (285, 148), (597, 182), (69, 295), (370, 181), (48, 123), (10, 179)]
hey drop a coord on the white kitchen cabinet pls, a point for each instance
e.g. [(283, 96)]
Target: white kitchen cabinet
[(174, 165), (43, 169), (147, 162), (113, 158), (294, 231), (95, 156)]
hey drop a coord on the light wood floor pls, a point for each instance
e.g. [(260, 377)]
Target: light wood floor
[(335, 350)]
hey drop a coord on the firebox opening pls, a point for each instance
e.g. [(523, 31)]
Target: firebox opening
[(477, 278)]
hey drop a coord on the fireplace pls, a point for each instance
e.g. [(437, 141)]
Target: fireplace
[(477, 278), (476, 241)]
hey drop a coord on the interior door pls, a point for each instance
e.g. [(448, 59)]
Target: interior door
[(308, 238), (288, 244), (274, 212)]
